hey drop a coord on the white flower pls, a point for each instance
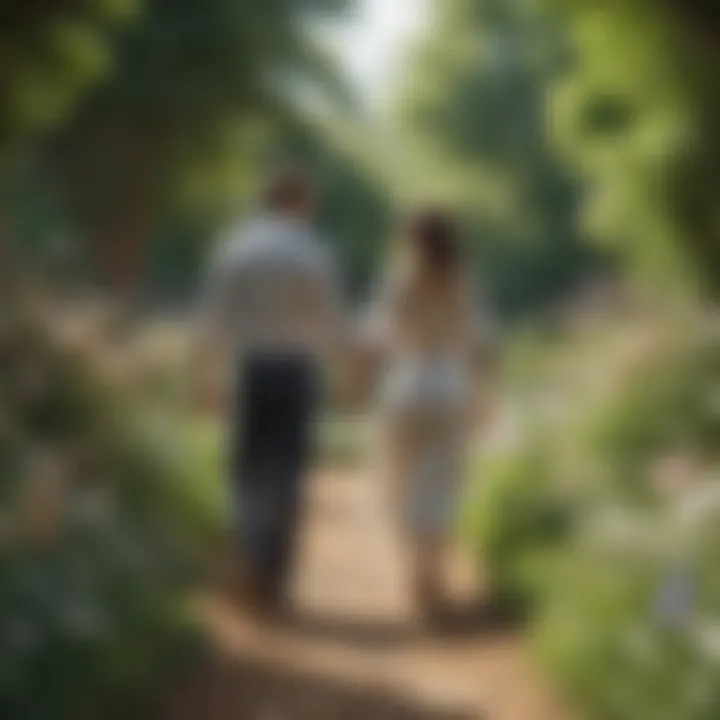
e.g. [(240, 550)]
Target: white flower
[(707, 638), (700, 505)]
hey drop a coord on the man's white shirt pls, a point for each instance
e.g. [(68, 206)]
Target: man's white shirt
[(272, 287)]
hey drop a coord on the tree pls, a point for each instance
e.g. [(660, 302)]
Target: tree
[(193, 83), (477, 106), (639, 115), (51, 54)]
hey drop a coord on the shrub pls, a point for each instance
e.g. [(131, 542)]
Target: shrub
[(99, 528), (516, 521), (605, 519), (629, 626)]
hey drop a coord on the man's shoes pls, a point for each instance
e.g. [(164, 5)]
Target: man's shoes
[(261, 599)]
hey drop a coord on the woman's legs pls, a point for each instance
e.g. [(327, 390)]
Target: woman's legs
[(425, 454), (429, 553)]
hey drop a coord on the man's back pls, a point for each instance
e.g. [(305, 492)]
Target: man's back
[(272, 287)]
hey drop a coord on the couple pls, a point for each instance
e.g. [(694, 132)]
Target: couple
[(272, 289)]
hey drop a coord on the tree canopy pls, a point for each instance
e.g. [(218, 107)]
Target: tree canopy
[(195, 86), (52, 53), (477, 108), (639, 115)]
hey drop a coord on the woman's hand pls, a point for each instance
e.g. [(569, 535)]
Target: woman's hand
[(358, 375)]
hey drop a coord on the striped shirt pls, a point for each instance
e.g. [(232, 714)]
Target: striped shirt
[(272, 288)]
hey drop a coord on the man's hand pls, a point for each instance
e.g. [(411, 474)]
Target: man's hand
[(358, 375), (208, 399), (207, 394)]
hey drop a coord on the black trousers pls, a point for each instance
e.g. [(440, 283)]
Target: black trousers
[(275, 409)]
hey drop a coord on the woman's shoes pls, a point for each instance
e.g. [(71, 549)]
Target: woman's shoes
[(436, 615), (433, 606)]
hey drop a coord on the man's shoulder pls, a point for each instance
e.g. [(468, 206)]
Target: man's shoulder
[(261, 241), (304, 245), (242, 241)]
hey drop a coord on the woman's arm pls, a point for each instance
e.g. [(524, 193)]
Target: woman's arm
[(371, 342)]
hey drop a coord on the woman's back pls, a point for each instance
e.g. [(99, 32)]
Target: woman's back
[(430, 317), (426, 320), (430, 332)]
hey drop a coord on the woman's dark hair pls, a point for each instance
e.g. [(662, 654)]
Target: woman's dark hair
[(434, 234), (287, 187)]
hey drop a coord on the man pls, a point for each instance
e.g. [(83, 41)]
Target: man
[(272, 291)]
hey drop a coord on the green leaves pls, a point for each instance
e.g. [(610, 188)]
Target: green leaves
[(603, 517), (476, 107), (51, 57), (641, 78), (99, 535)]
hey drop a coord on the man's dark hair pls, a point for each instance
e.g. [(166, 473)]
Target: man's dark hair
[(288, 188)]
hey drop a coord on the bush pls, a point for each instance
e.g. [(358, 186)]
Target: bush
[(666, 404), (516, 521), (629, 626), (605, 517), (99, 531)]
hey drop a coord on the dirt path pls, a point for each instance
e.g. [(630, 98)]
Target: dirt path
[(355, 650)]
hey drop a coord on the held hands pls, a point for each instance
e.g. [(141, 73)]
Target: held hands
[(208, 399), (360, 374), (208, 396), (483, 407)]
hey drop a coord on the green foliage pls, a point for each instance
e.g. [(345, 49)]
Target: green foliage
[(662, 406), (477, 110), (603, 519), (639, 116), (627, 626), (197, 89), (51, 56), (99, 534), (517, 520)]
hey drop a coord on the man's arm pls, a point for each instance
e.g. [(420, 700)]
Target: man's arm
[(336, 330)]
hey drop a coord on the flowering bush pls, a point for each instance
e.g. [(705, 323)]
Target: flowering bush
[(98, 534), (622, 583), (631, 625)]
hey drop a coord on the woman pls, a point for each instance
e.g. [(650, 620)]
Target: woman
[(427, 324)]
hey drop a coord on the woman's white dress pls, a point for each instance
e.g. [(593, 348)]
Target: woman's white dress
[(427, 395)]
